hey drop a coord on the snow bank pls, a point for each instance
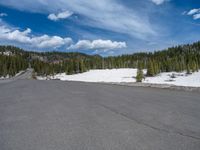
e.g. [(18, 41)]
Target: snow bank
[(3, 78), (173, 78), (128, 75)]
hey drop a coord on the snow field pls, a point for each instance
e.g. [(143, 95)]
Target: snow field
[(128, 75)]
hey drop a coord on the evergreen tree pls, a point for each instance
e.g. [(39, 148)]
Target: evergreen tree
[(150, 69), (140, 75)]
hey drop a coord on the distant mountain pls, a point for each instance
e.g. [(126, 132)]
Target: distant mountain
[(48, 56)]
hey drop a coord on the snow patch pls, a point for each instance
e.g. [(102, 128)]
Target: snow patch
[(128, 76), (174, 78)]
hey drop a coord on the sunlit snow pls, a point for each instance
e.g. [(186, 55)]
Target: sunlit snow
[(128, 75)]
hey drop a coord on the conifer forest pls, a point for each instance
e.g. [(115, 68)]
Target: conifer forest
[(178, 58)]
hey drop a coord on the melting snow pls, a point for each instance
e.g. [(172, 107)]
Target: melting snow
[(128, 75)]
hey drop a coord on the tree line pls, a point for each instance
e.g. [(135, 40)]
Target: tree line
[(11, 65), (178, 58)]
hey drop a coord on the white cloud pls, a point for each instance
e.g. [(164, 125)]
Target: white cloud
[(196, 16), (24, 37), (109, 15), (193, 11), (61, 15), (50, 41), (97, 45), (159, 2), (14, 35), (3, 14)]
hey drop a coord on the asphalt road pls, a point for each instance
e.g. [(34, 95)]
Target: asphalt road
[(27, 74), (56, 115)]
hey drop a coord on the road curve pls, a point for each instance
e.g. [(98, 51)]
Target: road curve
[(27, 74), (56, 115)]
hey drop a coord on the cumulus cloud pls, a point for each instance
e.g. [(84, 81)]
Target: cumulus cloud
[(51, 41), (195, 13), (97, 45), (196, 16), (24, 37), (59, 16), (3, 14), (159, 2), (45, 41)]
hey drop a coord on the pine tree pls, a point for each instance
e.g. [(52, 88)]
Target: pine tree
[(150, 69), (140, 75)]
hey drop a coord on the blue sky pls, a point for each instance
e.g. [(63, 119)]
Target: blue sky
[(106, 27)]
